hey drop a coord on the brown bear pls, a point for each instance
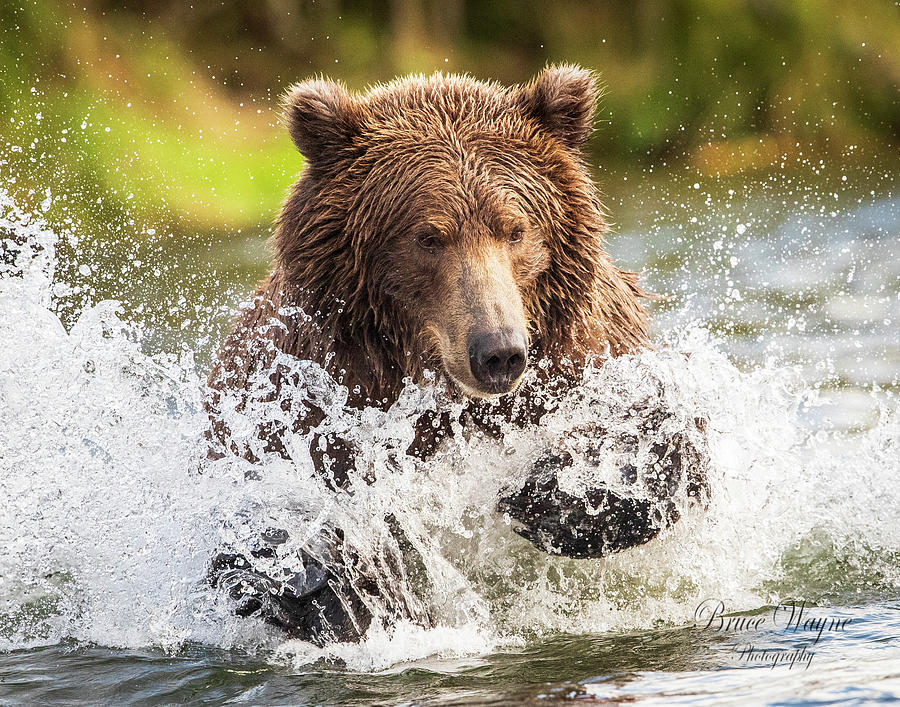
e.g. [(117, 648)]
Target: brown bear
[(450, 225)]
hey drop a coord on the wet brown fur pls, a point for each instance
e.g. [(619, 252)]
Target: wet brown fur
[(469, 166)]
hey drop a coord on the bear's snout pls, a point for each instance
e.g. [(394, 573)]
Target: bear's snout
[(497, 359)]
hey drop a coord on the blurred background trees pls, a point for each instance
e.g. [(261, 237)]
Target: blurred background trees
[(166, 111)]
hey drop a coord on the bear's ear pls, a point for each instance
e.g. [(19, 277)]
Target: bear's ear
[(321, 116), (563, 99)]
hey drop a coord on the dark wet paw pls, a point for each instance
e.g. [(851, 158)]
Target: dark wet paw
[(596, 526), (312, 604)]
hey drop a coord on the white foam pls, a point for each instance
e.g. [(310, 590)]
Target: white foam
[(110, 515)]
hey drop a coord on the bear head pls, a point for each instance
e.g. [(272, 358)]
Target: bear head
[(451, 224)]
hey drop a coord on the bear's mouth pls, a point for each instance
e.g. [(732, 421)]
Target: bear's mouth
[(472, 392)]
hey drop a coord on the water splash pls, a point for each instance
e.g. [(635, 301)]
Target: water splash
[(111, 513)]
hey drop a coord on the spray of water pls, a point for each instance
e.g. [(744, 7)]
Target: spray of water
[(111, 512)]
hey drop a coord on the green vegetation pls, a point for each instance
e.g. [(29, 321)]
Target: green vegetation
[(165, 113)]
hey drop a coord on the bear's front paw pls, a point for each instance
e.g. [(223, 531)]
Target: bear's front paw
[(315, 604), (600, 523)]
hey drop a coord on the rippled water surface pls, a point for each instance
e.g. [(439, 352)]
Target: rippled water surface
[(784, 290)]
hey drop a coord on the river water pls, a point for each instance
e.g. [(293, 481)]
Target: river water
[(785, 290)]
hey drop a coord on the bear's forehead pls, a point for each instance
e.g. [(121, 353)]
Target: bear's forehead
[(421, 105)]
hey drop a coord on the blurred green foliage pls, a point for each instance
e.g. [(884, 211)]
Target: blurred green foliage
[(163, 112)]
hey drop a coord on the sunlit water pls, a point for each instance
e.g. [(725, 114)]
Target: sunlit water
[(786, 295)]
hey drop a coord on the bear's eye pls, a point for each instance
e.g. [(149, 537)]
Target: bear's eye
[(429, 238), (517, 234)]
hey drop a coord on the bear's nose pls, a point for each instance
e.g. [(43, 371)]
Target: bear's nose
[(497, 359)]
